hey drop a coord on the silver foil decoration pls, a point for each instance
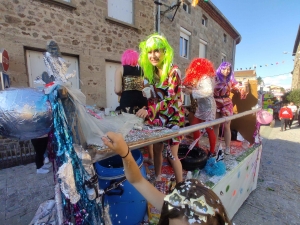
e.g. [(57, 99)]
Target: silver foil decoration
[(25, 113)]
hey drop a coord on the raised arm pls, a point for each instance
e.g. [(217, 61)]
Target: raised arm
[(242, 89), (118, 80), (133, 174)]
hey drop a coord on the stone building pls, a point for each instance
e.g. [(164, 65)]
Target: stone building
[(296, 70), (245, 74), (92, 34)]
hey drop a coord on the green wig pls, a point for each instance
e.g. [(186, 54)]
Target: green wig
[(155, 41)]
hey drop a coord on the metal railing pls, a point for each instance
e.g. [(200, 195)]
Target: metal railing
[(192, 128), (14, 153)]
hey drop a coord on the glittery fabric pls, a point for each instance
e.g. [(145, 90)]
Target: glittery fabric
[(57, 67), (133, 83), (203, 93), (85, 211), (67, 182)]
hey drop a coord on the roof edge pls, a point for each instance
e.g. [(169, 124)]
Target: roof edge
[(237, 37), (297, 41)]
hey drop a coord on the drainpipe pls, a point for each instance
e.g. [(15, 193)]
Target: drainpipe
[(158, 18)]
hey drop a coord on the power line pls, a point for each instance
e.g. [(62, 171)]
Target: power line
[(288, 73)]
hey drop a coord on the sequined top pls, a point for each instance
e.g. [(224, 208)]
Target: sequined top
[(132, 79), (203, 94), (132, 98)]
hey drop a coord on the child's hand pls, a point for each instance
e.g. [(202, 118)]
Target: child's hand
[(142, 113), (116, 142)]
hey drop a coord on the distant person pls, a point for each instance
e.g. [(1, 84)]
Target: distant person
[(285, 115), (190, 202), (225, 84), (129, 83), (294, 111), (40, 146)]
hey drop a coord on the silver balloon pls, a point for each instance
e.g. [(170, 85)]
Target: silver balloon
[(25, 113)]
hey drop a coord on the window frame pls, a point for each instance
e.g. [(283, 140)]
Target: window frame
[(223, 57), (111, 17), (188, 7), (204, 20), (62, 3), (184, 35), (225, 38), (205, 44)]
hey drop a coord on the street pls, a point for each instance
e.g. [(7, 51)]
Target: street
[(276, 200)]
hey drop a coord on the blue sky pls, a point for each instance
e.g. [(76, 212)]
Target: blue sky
[(268, 28)]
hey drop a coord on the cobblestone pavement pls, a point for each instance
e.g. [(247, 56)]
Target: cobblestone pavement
[(276, 200)]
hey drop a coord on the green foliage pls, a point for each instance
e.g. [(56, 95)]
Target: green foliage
[(294, 96), (259, 80)]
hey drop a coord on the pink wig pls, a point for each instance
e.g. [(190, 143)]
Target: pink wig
[(130, 57)]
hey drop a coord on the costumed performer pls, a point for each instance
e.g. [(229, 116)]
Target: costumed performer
[(199, 82), (226, 83), (190, 202), (165, 110), (129, 83)]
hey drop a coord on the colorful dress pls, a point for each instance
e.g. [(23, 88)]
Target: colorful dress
[(222, 93), (165, 109)]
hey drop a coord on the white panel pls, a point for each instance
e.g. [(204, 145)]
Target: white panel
[(121, 10), (36, 67), (73, 66), (185, 31), (111, 97), (202, 50)]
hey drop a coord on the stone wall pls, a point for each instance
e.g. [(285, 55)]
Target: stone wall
[(296, 70), (84, 32), (212, 34)]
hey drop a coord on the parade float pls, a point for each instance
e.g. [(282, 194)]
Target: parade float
[(91, 187)]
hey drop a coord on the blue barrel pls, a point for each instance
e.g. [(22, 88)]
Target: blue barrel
[(126, 204)]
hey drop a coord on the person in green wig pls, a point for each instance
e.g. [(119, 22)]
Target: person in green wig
[(165, 106)]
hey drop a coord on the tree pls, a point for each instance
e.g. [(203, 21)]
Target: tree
[(294, 96), (260, 81)]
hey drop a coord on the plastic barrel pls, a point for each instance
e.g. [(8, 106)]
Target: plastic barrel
[(126, 204)]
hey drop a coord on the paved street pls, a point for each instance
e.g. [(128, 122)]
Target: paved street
[(276, 200)]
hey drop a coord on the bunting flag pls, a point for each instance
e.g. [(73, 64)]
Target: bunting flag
[(265, 65)]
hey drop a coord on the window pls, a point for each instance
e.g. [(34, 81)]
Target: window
[(184, 43), (63, 3), (186, 7), (202, 49), (204, 21), (223, 59), (121, 10), (224, 38)]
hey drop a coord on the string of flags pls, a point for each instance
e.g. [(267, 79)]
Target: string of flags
[(258, 66)]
